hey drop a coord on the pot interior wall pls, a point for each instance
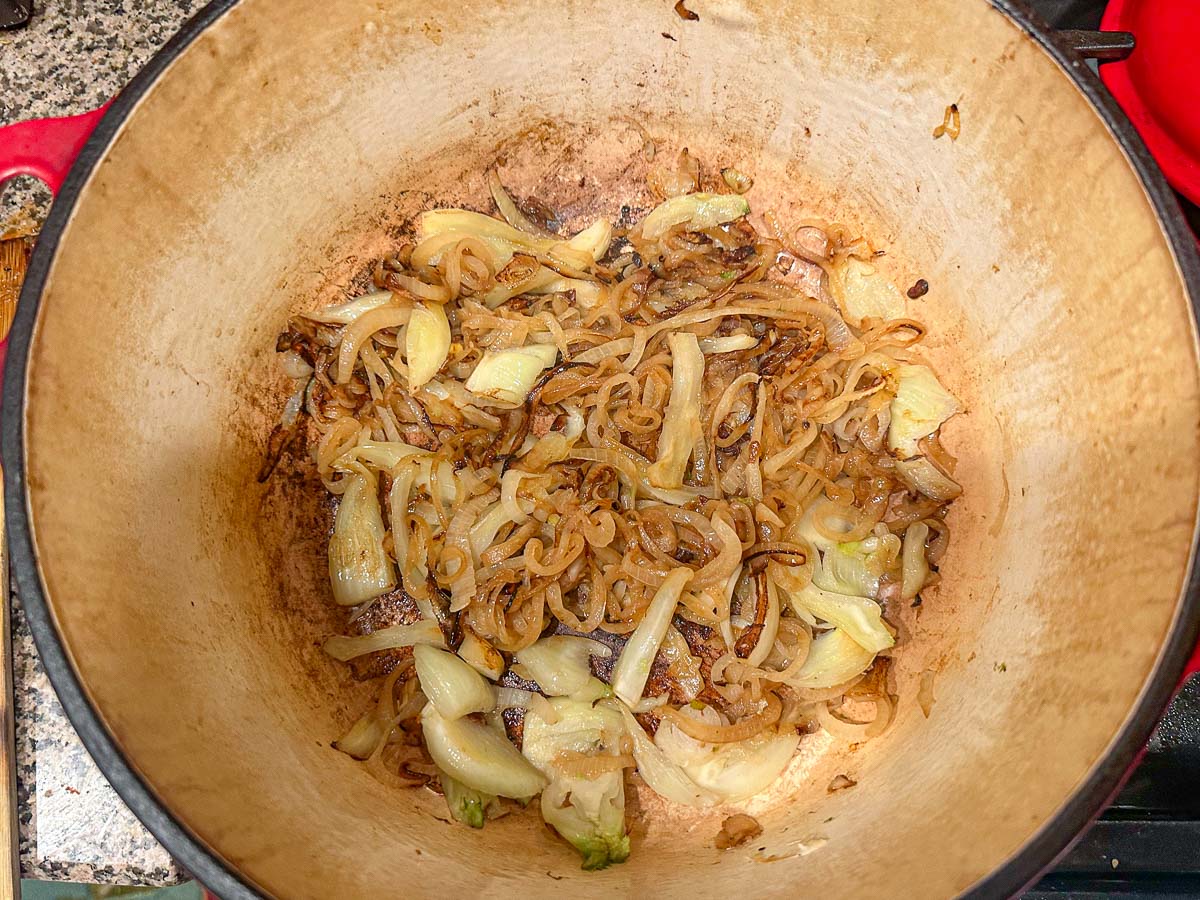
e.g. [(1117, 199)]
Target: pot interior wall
[(279, 156)]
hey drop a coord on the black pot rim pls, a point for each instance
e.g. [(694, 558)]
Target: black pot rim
[(1016, 873)]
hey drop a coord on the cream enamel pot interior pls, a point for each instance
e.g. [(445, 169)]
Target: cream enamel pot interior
[(265, 159)]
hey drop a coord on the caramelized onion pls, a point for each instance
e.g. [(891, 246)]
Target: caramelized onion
[(725, 734), (462, 577), (789, 553), (707, 448), (584, 766)]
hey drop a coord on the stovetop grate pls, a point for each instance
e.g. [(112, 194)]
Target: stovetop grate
[(1147, 844)]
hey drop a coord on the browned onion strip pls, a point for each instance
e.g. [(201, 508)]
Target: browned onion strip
[(932, 447), (361, 329), (643, 570), (727, 734), (692, 521), (847, 729), (557, 560), (512, 214), (781, 551), (860, 520), (497, 553), (726, 561), (408, 284), (749, 640), (798, 308), (385, 708), (579, 765), (462, 578)]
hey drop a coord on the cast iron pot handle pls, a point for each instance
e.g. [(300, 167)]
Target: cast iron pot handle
[(1102, 46)]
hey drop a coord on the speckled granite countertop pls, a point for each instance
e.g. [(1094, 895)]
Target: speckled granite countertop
[(73, 56)]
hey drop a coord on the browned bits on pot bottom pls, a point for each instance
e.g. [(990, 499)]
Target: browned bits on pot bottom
[(736, 830), (919, 289), (840, 783)]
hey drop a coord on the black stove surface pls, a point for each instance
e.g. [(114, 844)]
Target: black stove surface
[(1147, 844)]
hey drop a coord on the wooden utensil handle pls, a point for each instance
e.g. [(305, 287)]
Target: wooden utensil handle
[(14, 258), (10, 864)]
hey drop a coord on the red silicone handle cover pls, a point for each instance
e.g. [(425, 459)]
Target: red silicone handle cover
[(1159, 85), (45, 148)]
